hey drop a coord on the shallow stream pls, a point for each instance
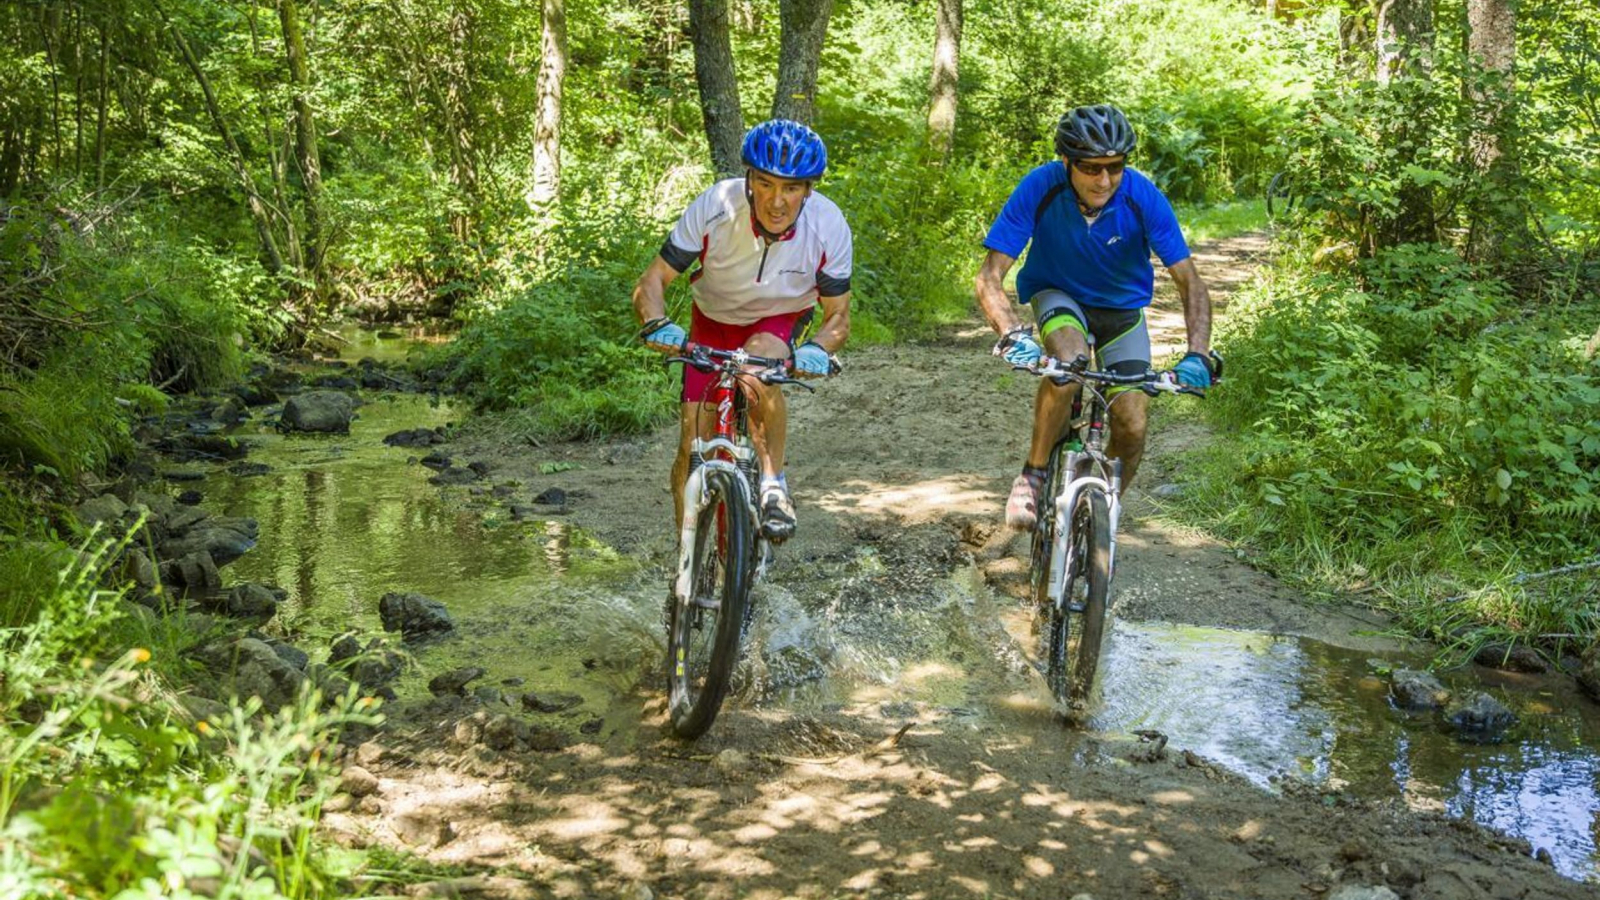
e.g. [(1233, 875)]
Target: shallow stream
[(545, 607)]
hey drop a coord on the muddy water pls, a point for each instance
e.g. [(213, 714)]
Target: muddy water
[(545, 607), (346, 519)]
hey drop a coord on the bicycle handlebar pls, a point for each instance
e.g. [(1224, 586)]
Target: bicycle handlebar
[(773, 371), (1151, 382)]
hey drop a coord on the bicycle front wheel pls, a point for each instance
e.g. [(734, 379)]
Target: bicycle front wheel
[(1044, 536), (1078, 623), (703, 636)]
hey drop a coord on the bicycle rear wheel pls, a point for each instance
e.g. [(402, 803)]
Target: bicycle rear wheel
[(703, 636), (1078, 624)]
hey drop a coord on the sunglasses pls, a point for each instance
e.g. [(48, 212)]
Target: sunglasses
[(1092, 169)]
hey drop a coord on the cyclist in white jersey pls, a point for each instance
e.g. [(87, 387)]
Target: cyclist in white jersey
[(770, 250)]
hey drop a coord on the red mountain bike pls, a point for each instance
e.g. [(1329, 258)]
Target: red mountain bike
[(721, 550)]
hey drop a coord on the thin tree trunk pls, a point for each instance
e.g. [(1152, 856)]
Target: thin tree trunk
[(805, 26), (104, 101), (1404, 42), (719, 87), (307, 159), (1492, 48), (49, 22), (942, 87), (258, 209), (547, 128)]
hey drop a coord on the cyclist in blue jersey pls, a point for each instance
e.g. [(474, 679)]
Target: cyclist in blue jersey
[(1089, 224)]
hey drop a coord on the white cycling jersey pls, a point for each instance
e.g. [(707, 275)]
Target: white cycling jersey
[(743, 277)]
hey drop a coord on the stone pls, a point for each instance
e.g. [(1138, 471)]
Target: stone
[(210, 447), (358, 782), (1417, 690), (413, 615), (437, 462), (248, 667), (503, 733), (415, 437), (550, 702), (480, 467), (369, 753), (552, 497), (106, 509), (731, 762), (455, 681), (225, 538), (258, 602), (1167, 491), (1362, 892), (522, 513), (454, 475), (1589, 671), (191, 497), (1480, 718), (319, 412), (254, 393), (193, 575), (1511, 658), (592, 726), (289, 653), (421, 830)]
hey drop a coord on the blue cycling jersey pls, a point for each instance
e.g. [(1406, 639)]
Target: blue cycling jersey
[(1106, 264)]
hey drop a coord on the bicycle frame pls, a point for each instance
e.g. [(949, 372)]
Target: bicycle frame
[(728, 450), (1103, 472)]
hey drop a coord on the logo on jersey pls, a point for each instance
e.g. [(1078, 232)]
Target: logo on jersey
[(1114, 239)]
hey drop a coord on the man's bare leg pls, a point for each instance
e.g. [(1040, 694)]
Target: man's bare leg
[(1129, 418)]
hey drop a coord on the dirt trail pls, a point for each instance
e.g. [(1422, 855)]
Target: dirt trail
[(911, 454)]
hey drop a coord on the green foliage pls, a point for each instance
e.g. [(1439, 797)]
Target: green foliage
[(101, 318), (106, 789), (1416, 419)]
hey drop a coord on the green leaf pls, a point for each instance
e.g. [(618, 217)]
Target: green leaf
[(1503, 479)]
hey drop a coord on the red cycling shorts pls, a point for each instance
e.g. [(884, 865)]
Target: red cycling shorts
[(722, 336)]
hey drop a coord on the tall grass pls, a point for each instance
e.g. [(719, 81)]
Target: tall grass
[(109, 788)]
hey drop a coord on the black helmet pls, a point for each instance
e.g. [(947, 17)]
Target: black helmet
[(1094, 131)]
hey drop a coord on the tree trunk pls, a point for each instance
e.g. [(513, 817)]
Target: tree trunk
[(804, 24), (942, 86), (258, 209), (104, 103), (305, 145), (719, 88), (547, 130), (1404, 40), (1492, 51)]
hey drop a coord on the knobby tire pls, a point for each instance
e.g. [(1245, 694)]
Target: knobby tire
[(703, 642), (1044, 534), (1075, 637)]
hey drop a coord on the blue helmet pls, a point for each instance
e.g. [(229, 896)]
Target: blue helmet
[(785, 149)]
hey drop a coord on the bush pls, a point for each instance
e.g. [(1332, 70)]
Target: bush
[(1417, 418)]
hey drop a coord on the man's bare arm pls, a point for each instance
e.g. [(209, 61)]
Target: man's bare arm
[(990, 288), (1196, 304), (650, 294), (835, 327)]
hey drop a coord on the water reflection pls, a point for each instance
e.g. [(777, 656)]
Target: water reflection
[(1271, 707)]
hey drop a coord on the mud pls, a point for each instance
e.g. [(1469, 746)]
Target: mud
[(908, 457)]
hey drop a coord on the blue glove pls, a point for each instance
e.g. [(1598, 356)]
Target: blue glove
[(1193, 371), (811, 361), (664, 335), (1019, 348)]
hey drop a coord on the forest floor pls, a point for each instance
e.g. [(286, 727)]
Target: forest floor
[(910, 453)]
